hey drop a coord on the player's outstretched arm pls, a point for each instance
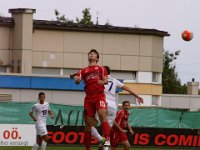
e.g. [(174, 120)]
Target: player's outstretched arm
[(32, 116), (138, 98), (73, 75)]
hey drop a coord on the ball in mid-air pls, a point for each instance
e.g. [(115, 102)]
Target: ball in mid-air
[(187, 35)]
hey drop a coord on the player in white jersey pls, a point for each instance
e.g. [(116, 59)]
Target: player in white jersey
[(112, 103), (41, 110)]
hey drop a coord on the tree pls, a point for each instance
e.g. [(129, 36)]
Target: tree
[(61, 18), (85, 20), (170, 80)]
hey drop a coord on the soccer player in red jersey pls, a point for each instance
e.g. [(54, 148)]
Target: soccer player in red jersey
[(94, 77), (118, 131)]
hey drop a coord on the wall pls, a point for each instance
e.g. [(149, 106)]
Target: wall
[(191, 102), (5, 38), (120, 51), (58, 90), (31, 50), (52, 96)]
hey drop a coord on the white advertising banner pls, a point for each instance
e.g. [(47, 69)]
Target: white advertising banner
[(17, 134)]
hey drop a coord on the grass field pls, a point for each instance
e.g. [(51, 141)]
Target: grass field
[(77, 148)]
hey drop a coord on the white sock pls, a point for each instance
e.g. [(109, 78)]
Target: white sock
[(96, 134), (44, 145), (35, 146)]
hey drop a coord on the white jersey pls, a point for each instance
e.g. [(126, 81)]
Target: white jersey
[(110, 88), (41, 111)]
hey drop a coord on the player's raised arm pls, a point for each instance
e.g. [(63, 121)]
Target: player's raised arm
[(138, 98), (73, 75), (76, 76)]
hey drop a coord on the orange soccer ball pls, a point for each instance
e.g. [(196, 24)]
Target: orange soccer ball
[(187, 35)]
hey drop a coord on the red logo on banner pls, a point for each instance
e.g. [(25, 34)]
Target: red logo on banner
[(60, 137)]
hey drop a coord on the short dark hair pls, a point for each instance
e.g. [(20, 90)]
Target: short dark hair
[(95, 51), (107, 69), (124, 102), (41, 93)]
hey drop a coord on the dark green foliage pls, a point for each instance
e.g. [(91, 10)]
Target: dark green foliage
[(170, 80)]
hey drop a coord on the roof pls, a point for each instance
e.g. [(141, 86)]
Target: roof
[(6, 21), (55, 25)]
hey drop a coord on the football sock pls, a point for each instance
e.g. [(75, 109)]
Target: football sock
[(96, 134), (44, 145), (106, 129), (87, 140), (35, 146)]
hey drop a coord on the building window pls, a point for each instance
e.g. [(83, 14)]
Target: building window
[(3, 69), (156, 77), (124, 75), (12, 66), (18, 66)]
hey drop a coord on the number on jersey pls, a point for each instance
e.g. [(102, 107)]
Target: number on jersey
[(102, 104), (44, 112), (111, 85)]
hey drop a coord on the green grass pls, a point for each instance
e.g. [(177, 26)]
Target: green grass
[(74, 148)]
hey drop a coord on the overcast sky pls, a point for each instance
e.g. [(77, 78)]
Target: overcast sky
[(172, 16)]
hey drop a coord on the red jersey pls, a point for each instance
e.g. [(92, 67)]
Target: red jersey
[(90, 75), (122, 118)]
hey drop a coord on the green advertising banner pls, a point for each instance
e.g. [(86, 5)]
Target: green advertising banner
[(17, 113)]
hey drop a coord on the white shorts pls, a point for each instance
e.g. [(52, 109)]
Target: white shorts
[(41, 130), (111, 112)]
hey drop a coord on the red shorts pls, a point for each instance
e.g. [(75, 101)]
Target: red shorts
[(92, 104), (117, 137)]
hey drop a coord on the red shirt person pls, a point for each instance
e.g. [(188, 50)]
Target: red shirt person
[(95, 98), (118, 132), (94, 77)]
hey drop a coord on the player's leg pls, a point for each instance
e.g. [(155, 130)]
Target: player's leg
[(101, 140), (89, 117), (45, 138), (111, 112), (114, 139), (38, 139), (37, 143), (88, 126), (125, 142), (101, 109), (126, 145), (96, 134), (44, 142), (94, 131)]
